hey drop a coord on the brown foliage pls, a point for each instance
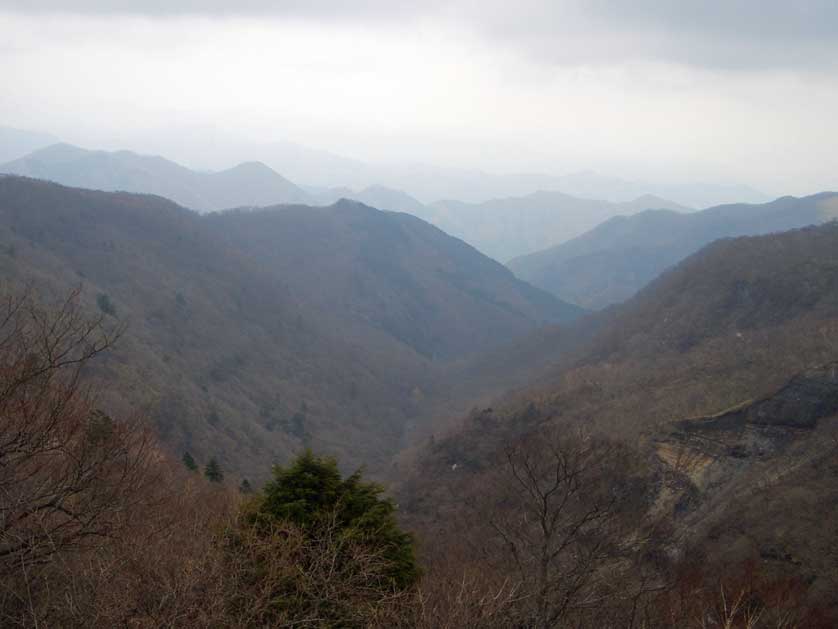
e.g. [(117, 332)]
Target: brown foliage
[(70, 476), (66, 471), (741, 596), (554, 531)]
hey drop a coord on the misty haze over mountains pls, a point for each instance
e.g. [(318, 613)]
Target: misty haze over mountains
[(322, 170), (15, 143), (418, 315), (249, 183), (588, 251), (610, 263), (502, 228), (506, 228)]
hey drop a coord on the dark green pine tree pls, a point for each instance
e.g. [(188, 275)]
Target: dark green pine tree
[(189, 462), (213, 471), (312, 494), (245, 487)]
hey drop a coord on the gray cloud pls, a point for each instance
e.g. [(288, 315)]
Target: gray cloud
[(649, 90), (321, 9), (801, 20), (732, 34)]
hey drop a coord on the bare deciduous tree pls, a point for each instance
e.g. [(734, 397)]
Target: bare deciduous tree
[(564, 515), (67, 471)]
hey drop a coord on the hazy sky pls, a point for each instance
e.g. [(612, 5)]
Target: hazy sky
[(732, 90)]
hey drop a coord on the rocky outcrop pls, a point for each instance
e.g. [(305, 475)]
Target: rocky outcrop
[(709, 451)]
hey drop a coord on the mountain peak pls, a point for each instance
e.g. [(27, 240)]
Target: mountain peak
[(60, 151), (344, 204), (253, 166), (247, 184)]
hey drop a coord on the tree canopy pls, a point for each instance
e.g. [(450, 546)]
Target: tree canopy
[(312, 494), (189, 462), (213, 471)]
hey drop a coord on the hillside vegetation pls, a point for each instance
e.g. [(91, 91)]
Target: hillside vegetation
[(668, 461), (720, 375), (611, 262), (250, 335)]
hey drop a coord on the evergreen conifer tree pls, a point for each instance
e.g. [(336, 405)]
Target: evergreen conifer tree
[(312, 494), (213, 471), (189, 462)]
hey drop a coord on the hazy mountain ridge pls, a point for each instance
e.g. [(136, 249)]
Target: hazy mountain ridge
[(432, 285), (376, 196), (254, 333), (429, 183), (506, 228), (614, 260), (503, 227), (589, 184), (248, 184), (499, 227)]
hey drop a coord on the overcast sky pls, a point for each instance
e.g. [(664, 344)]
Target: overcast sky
[(729, 91)]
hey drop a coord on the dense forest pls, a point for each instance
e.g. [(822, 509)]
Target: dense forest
[(342, 417), (256, 333)]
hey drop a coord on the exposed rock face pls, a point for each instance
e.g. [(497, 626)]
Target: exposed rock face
[(807, 398), (763, 425), (710, 452)]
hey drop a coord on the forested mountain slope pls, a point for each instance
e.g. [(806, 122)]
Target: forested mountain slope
[(254, 333), (615, 259), (392, 272), (721, 373)]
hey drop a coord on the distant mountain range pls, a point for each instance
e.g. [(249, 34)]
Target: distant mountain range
[(505, 228), (429, 183), (209, 149), (501, 228), (248, 184), (592, 185), (614, 260), (375, 196)]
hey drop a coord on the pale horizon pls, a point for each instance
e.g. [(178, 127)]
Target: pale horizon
[(719, 93)]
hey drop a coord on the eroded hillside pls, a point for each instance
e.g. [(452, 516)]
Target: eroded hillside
[(721, 374)]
